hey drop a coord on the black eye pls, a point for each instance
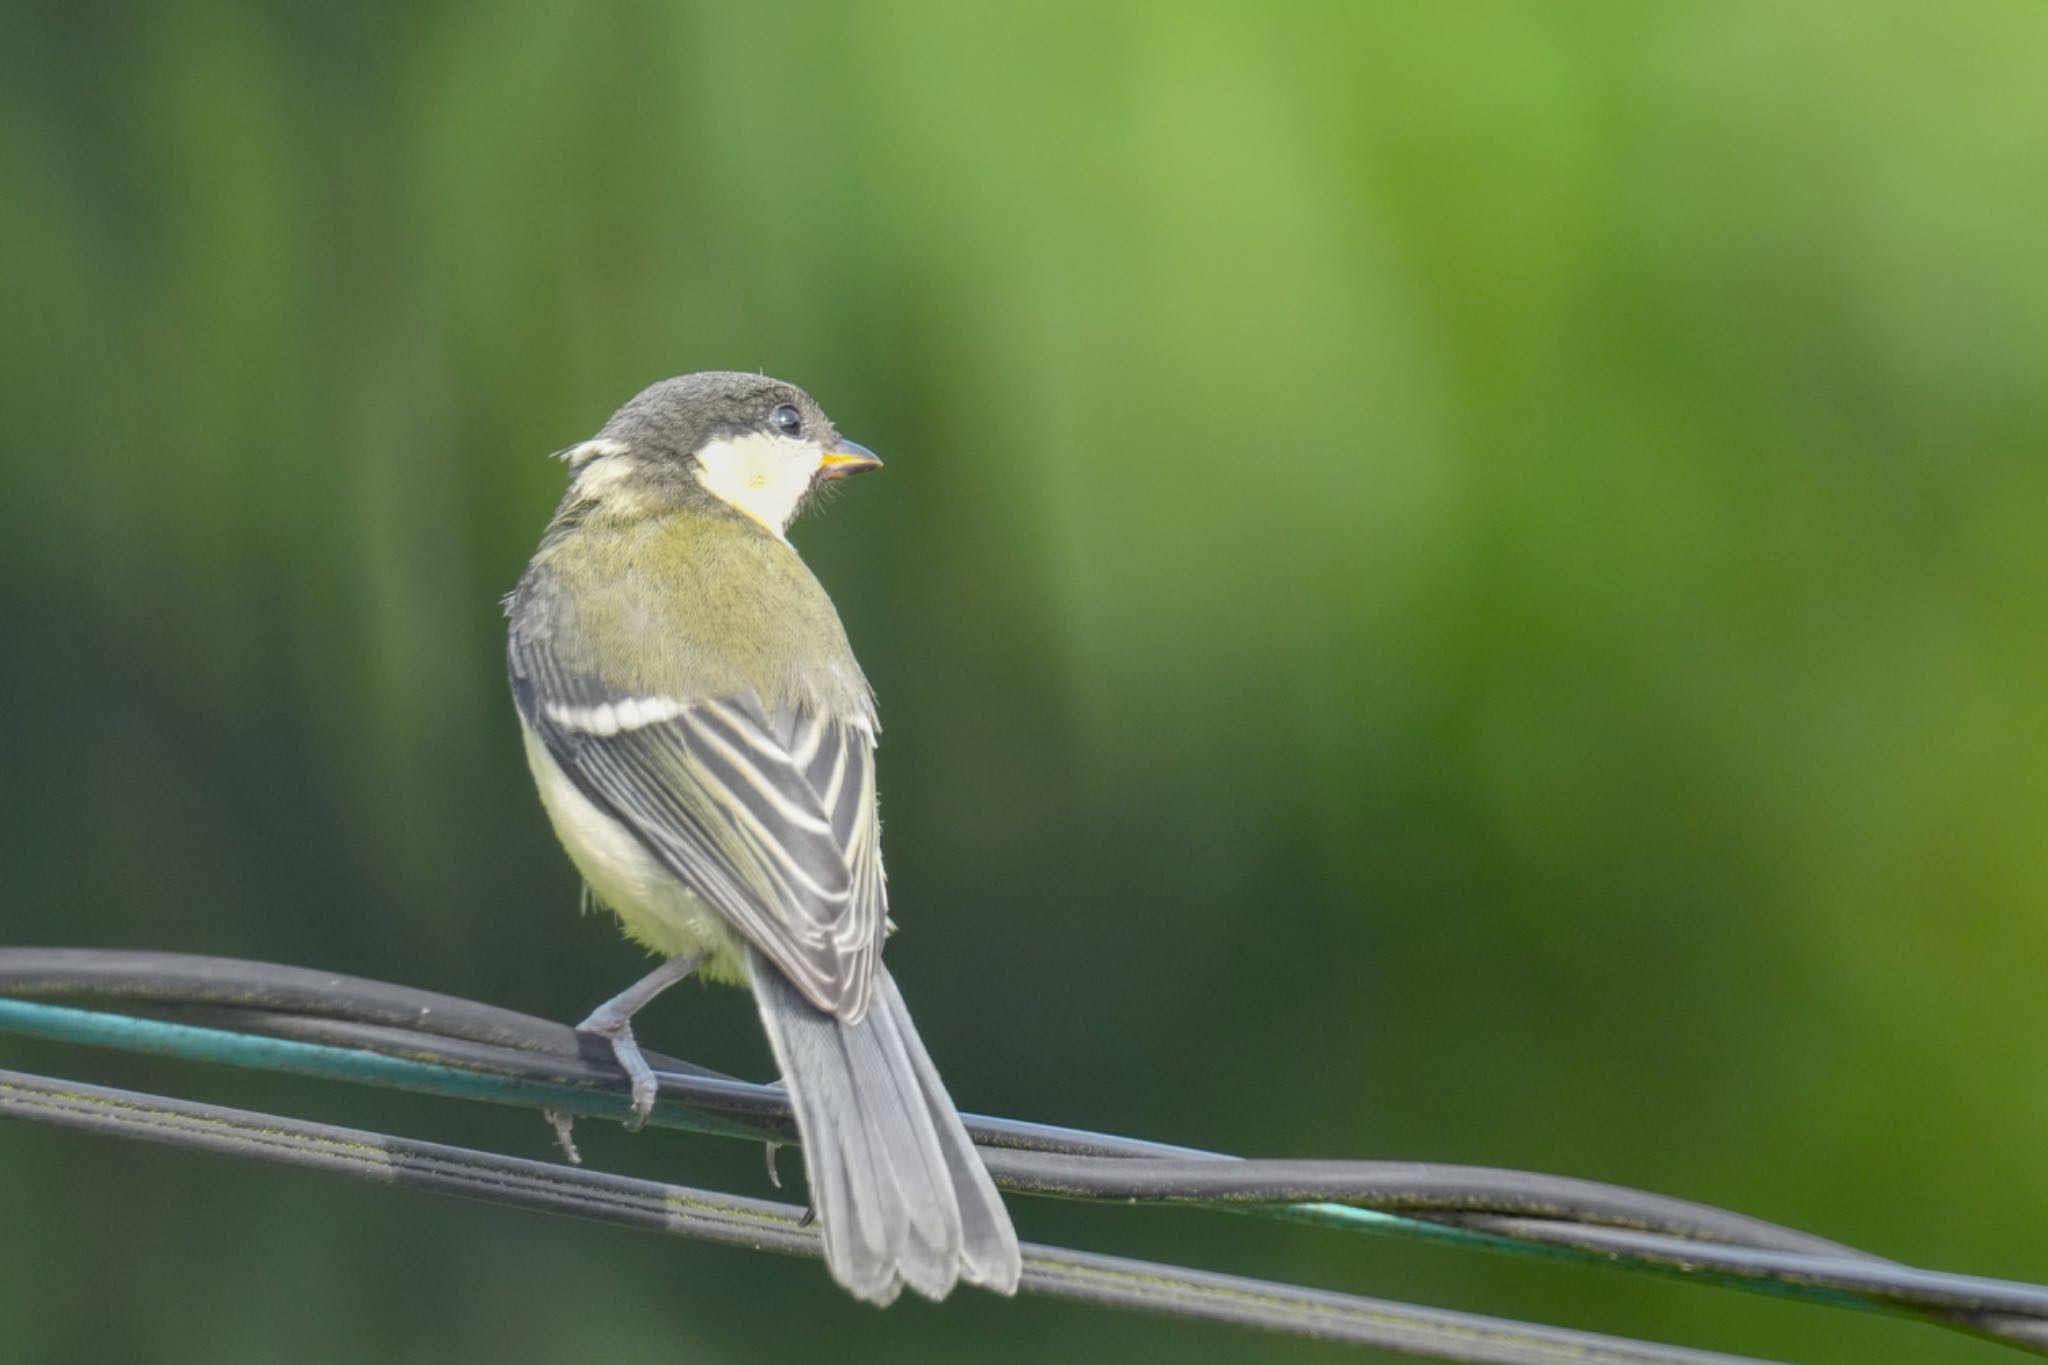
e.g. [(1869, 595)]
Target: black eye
[(787, 420)]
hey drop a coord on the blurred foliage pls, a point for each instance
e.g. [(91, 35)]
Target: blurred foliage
[(1458, 581)]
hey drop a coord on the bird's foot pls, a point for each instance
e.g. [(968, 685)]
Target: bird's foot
[(608, 1025), (564, 1123)]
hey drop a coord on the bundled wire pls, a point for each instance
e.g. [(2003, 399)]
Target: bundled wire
[(314, 1023)]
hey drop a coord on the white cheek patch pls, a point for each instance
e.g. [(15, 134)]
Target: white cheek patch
[(763, 476)]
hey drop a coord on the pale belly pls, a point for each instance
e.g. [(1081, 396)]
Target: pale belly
[(653, 906)]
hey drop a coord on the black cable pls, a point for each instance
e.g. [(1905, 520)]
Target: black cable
[(1585, 1216), (193, 979), (1051, 1271), (1393, 1187), (274, 999)]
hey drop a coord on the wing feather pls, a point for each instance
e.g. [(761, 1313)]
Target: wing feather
[(768, 816)]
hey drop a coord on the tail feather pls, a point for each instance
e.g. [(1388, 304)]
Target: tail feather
[(901, 1195), (902, 1128), (988, 1244)]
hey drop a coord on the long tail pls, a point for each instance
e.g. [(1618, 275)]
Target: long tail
[(900, 1193)]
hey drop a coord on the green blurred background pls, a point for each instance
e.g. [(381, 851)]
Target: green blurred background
[(1454, 581)]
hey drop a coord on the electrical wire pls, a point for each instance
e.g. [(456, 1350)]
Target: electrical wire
[(294, 1019), (760, 1225)]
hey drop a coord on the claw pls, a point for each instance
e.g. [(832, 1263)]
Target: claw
[(768, 1150), (645, 1089), (563, 1123), (645, 1092)]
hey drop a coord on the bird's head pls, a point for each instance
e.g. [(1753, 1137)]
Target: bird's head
[(756, 444)]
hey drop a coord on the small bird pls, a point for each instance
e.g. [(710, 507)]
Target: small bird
[(703, 741)]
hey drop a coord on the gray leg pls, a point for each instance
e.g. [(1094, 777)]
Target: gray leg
[(613, 1022)]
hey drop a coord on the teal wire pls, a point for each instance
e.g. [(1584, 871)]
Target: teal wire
[(1375, 1223), (193, 1042), (65, 1023)]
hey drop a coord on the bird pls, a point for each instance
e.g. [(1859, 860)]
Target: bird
[(703, 742)]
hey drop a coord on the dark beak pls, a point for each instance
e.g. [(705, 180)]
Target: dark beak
[(849, 457)]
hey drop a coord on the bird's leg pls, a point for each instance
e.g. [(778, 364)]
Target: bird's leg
[(613, 1022)]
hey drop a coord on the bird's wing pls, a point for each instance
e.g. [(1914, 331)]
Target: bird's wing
[(769, 816)]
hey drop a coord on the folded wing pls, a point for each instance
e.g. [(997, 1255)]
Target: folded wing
[(768, 815)]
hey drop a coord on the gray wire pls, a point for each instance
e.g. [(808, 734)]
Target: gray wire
[(1585, 1217), (1054, 1272), (326, 1007)]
